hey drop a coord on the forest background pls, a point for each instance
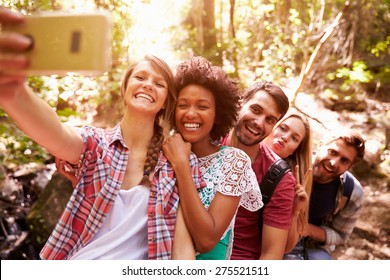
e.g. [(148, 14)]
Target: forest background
[(331, 56)]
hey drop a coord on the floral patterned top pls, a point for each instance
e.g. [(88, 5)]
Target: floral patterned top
[(229, 172)]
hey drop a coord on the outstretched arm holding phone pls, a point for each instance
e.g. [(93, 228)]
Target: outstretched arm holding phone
[(34, 116), (123, 157)]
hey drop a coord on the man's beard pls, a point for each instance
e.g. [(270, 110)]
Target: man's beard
[(321, 175), (247, 141)]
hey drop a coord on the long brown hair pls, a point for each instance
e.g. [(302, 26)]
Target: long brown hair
[(302, 157), (164, 117)]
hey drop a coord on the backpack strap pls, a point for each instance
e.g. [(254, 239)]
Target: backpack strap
[(348, 186), (271, 179)]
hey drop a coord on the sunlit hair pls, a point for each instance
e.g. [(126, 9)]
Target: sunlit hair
[(302, 157), (163, 68), (199, 71), (273, 90), (351, 138), (163, 118)]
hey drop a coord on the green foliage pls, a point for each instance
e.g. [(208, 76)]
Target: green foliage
[(274, 39), (30, 6), (16, 148), (352, 77), (381, 47), (267, 51)]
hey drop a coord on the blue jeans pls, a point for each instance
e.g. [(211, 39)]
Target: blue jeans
[(298, 253), (316, 253), (307, 251)]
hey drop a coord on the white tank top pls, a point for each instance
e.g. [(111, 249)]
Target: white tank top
[(124, 233)]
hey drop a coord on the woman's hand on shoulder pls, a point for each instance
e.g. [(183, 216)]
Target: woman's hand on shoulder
[(176, 150)]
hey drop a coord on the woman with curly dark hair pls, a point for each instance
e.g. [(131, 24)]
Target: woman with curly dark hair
[(206, 110)]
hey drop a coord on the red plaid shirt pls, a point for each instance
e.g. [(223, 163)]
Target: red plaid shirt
[(101, 171), (162, 207)]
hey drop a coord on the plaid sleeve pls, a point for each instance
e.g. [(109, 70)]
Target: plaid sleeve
[(345, 220), (195, 172), (90, 142)]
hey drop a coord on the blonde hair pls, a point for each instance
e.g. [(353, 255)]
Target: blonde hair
[(163, 118), (302, 157)]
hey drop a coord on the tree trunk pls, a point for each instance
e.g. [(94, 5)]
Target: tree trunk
[(210, 39), (196, 14), (232, 30), (209, 32), (232, 36), (307, 66), (284, 12)]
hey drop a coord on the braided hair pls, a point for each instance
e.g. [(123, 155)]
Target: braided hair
[(163, 118), (153, 153)]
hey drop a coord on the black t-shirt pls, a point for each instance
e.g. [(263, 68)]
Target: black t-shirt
[(322, 201)]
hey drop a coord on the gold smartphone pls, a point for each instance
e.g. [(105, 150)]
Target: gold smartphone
[(67, 42)]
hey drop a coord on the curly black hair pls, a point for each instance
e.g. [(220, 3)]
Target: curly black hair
[(198, 70)]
